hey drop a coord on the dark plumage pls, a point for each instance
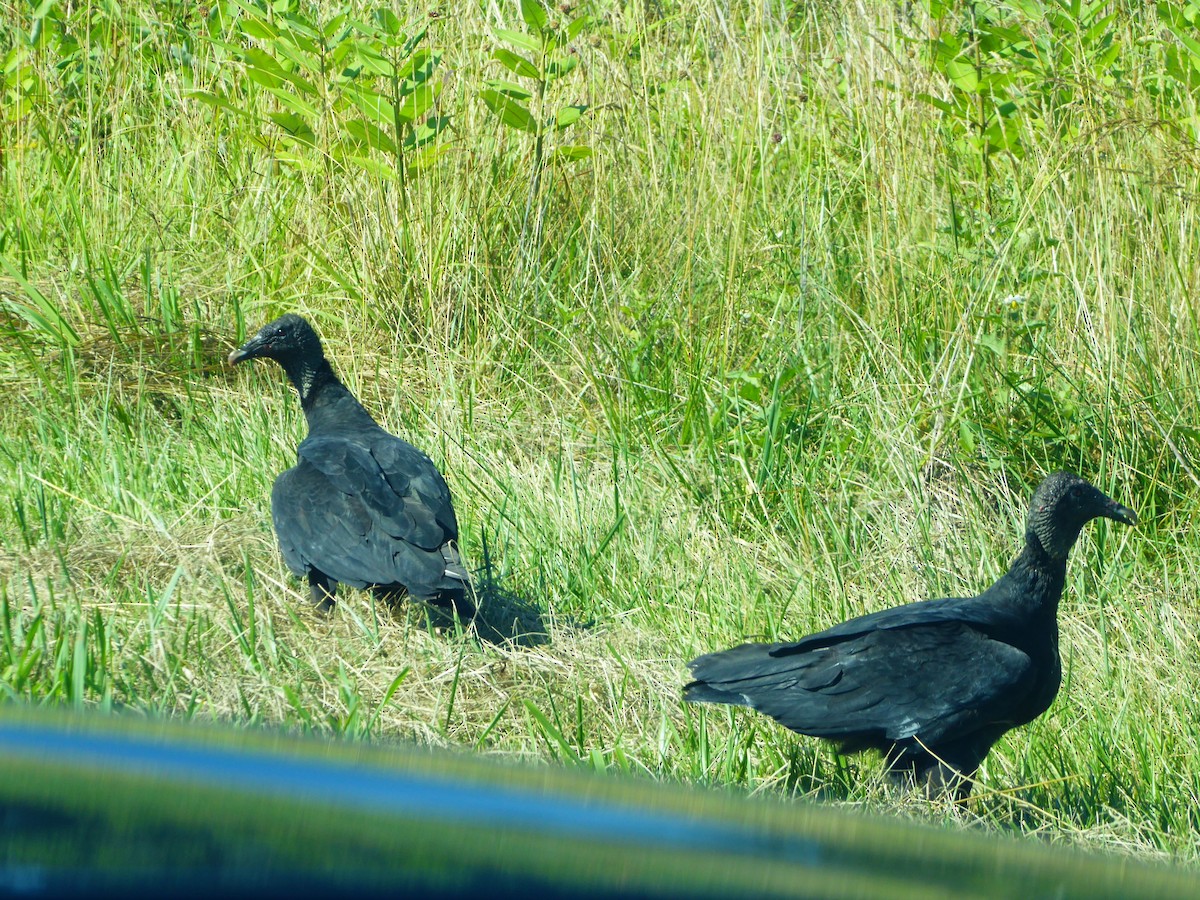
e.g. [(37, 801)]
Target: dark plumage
[(932, 685), (360, 506)]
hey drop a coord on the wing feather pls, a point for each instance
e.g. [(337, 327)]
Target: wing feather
[(367, 510), (928, 681)]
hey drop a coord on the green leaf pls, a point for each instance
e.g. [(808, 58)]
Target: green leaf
[(38, 36), (258, 29), (411, 43), (377, 107), (339, 54), (43, 316), (510, 112), (374, 62), (420, 67), (13, 59), (1002, 40), (519, 39), (428, 157), (336, 29), (963, 74), (367, 134), (219, 101), (296, 127), (424, 133), (263, 77), (1098, 30), (418, 102), (302, 33), (999, 138), (294, 103), (263, 61), (378, 167), (306, 61), (534, 15), (518, 65), (569, 115), (246, 6), (936, 103), (553, 735), (947, 47), (573, 153), (1189, 42), (1106, 59), (265, 69), (576, 26), (966, 437), (509, 89), (560, 67), (387, 20)]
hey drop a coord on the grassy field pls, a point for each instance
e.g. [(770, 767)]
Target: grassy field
[(784, 328)]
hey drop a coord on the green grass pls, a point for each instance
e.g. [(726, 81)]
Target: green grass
[(757, 372)]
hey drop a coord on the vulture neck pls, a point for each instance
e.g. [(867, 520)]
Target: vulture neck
[(1033, 584), (324, 399)]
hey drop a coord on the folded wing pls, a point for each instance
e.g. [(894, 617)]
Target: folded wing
[(928, 680), (367, 510)]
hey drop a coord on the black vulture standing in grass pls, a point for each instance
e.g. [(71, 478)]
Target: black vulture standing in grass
[(932, 685), (361, 506)]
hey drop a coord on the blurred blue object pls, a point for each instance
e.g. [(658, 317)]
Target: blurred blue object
[(93, 805)]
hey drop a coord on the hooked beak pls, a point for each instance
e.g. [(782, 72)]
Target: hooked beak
[(1120, 513), (248, 350)]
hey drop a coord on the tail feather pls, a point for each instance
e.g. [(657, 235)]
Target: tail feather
[(699, 692), (744, 663), (797, 690), (729, 676)]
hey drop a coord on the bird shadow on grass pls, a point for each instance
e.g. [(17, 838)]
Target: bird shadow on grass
[(504, 615)]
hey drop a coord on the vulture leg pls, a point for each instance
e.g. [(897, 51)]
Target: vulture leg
[(324, 590), (459, 604)]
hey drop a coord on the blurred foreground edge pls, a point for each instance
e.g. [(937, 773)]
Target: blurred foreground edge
[(108, 806)]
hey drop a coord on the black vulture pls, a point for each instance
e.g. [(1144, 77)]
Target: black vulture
[(361, 506), (931, 685)]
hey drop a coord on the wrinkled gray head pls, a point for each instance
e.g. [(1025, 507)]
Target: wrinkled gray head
[(1063, 504), (289, 338)]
